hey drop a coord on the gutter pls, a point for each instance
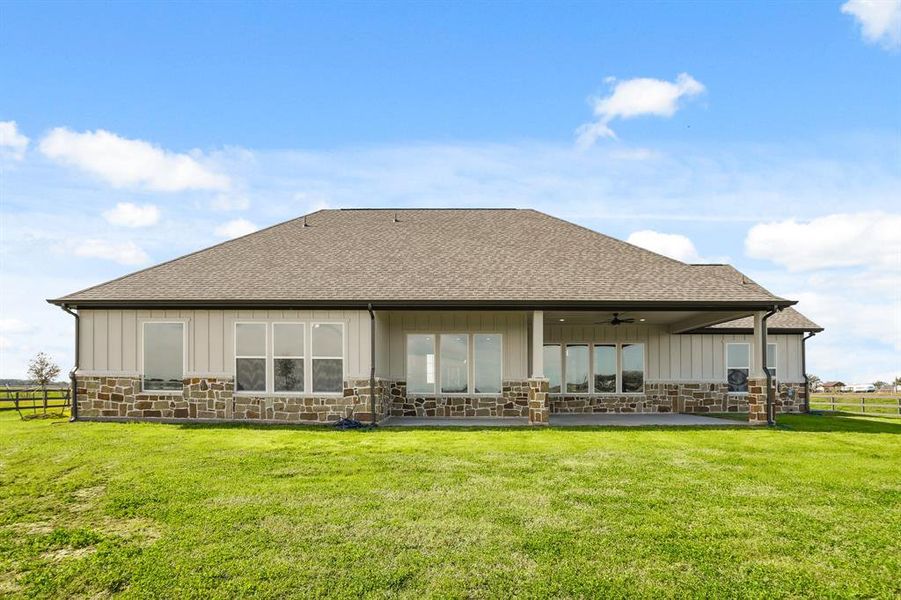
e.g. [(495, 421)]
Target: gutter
[(602, 305), (770, 399), (72, 378), (372, 363), (804, 370)]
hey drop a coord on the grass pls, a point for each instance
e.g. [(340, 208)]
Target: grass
[(812, 508), (823, 402)]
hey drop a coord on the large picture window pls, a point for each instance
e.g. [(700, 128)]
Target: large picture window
[(454, 361), (421, 364), (577, 368), (328, 357), (553, 367), (288, 357), (250, 357), (164, 357), (633, 368), (605, 369), (487, 376), (738, 367)]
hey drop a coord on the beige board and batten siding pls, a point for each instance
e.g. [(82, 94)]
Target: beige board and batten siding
[(110, 340), (683, 357), (512, 325)]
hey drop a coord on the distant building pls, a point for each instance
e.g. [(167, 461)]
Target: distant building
[(833, 386)]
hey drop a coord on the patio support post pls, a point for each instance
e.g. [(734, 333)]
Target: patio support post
[(757, 382), (539, 406)]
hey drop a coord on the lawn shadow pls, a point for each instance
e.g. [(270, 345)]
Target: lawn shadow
[(820, 422)]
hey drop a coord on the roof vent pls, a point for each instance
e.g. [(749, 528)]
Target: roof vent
[(396, 220), (305, 221)]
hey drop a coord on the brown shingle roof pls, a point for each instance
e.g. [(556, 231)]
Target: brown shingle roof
[(787, 319), (428, 255)]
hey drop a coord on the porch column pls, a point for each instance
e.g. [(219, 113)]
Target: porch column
[(539, 407), (538, 344), (757, 379)]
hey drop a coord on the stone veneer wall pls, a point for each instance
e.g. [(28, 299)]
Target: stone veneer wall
[(677, 397), (513, 401), (214, 398)]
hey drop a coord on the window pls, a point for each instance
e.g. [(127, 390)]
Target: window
[(487, 363), (738, 367), (164, 356), (421, 364), (771, 359), (454, 363), (577, 368), (605, 368), (553, 369), (287, 357), (633, 368), (250, 357), (328, 357)]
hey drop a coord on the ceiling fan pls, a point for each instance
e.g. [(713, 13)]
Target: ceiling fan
[(616, 320)]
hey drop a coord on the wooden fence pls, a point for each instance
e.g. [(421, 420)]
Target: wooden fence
[(34, 399), (862, 405)]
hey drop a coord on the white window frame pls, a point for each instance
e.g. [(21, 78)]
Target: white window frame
[(619, 367), (435, 366), (563, 384), (270, 367), (265, 357), (726, 364), (438, 378), (311, 388), (184, 353), (472, 365), (559, 346)]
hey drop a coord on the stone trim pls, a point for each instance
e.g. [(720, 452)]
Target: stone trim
[(513, 401), (209, 398)]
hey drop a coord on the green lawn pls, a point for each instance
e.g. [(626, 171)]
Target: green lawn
[(810, 509)]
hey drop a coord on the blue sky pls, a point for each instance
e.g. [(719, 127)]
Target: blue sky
[(765, 134)]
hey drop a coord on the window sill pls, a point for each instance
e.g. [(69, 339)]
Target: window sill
[(160, 393), (245, 394)]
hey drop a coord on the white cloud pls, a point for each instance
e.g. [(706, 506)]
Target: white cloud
[(635, 98), (880, 20), (229, 202), (869, 239), (127, 214), (124, 253), (235, 228), (12, 143), (130, 163), (673, 245), (14, 326)]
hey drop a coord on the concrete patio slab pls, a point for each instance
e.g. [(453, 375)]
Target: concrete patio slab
[(579, 420)]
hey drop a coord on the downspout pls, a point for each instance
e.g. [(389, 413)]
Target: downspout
[(804, 370), (770, 400), (372, 364), (72, 378)]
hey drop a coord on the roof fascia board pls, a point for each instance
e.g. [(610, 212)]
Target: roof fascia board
[(432, 304)]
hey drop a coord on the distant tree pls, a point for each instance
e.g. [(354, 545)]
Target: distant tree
[(42, 371), (814, 381), (897, 380), (880, 384)]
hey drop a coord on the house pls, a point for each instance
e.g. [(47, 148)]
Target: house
[(433, 313), (833, 386)]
